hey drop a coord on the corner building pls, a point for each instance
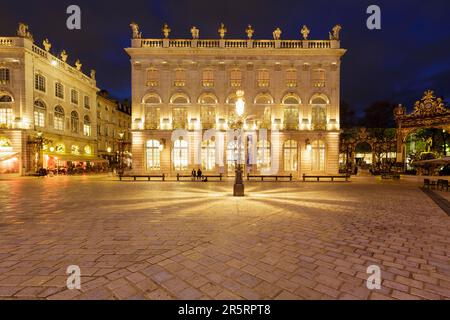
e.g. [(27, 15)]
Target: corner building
[(291, 88)]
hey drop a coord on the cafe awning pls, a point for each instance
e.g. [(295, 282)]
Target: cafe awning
[(7, 155)]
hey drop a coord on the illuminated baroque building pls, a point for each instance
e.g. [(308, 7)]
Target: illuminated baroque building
[(48, 108), (290, 85)]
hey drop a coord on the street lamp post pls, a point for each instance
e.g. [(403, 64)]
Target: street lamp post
[(121, 147), (238, 188)]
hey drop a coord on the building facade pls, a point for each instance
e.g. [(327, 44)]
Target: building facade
[(113, 127), (47, 108), (291, 89)]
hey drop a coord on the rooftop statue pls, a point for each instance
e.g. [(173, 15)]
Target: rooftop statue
[(135, 29), (166, 30), (305, 32), (249, 31), (277, 34), (47, 45), (24, 32), (195, 32), (64, 55), (222, 31), (93, 73), (78, 65), (335, 34)]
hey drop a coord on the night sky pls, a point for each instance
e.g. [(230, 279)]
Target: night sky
[(408, 56)]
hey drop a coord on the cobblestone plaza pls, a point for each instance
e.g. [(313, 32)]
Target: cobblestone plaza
[(187, 240)]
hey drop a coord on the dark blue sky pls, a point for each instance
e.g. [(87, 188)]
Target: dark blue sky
[(408, 56)]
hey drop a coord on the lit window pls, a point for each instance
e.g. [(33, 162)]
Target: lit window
[(74, 122), (39, 113), (208, 155), (208, 78), (152, 116), (87, 126), (180, 155), (152, 77), (153, 153), (6, 116), (263, 78), (290, 155), (87, 149), (74, 96), (291, 113), (208, 111), (319, 114), (318, 156), (58, 122), (180, 78), (235, 78), (40, 83), (4, 76), (291, 78), (318, 78), (59, 90)]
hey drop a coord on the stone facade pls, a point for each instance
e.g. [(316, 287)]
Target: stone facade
[(291, 87)]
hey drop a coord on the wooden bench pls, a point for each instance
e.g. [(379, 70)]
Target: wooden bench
[(135, 177), (331, 177), (262, 177)]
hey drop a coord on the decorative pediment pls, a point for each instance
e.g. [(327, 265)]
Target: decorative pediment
[(429, 105)]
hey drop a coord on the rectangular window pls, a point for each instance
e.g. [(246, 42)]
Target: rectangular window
[(5, 117), (152, 77), (180, 78), (74, 96), (87, 103), (263, 78), (318, 78), (4, 76), (208, 78), (235, 78), (59, 90), (40, 83), (87, 130), (291, 78), (59, 123)]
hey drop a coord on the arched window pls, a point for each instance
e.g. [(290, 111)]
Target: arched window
[(4, 76), (152, 111), (180, 155), (179, 111), (290, 155), (233, 156), (153, 155), (318, 156), (6, 116), (74, 122), (208, 155), (263, 154), (319, 113), (208, 110), (87, 126), (264, 102), (291, 117), (39, 113), (58, 122)]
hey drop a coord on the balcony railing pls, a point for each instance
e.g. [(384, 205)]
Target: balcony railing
[(237, 44)]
